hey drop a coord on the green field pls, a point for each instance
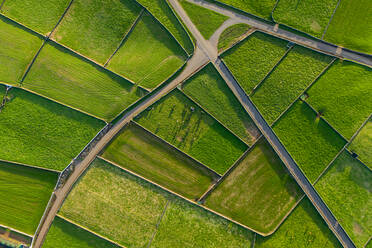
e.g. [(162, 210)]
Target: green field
[(303, 228), (62, 232), (231, 35), (149, 56), (362, 144), (162, 11), (186, 225), (180, 122), (351, 26), (114, 204), (346, 188), (296, 72), (343, 96), (205, 20), (39, 132), (209, 89), (95, 28), (40, 16), (310, 140), (311, 16), (17, 49), (259, 192), (25, 192), (253, 58), (2, 92), (142, 153), (62, 76)]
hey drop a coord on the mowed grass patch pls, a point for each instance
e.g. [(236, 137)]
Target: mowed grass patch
[(346, 188), (351, 26), (182, 123), (259, 192), (231, 35), (62, 76), (144, 154), (62, 232), (362, 144), (25, 192), (115, 205), (150, 54), (343, 96), (311, 16), (253, 58), (18, 46), (303, 228), (310, 140), (209, 89), (39, 132), (186, 225), (40, 16), (292, 76), (95, 28)]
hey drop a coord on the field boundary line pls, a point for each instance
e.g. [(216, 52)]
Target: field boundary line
[(52, 199), (17, 231), (23, 26), (250, 31), (360, 129), (60, 19), (28, 67), (1, 5), (369, 240), (30, 166), (3, 100), (359, 160), (222, 54), (273, 10), (158, 223), (254, 240), (330, 19)]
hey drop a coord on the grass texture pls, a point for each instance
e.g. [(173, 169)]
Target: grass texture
[(362, 144), (231, 35)]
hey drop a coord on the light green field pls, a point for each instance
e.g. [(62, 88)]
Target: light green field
[(17, 49), (149, 56), (303, 228), (259, 192), (25, 192), (351, 26), (142, 153), (362, 144), (296, 72), (40, 16), (62, 76), (343, 96), (310, 16), (346, 188), (185, 225), (95, 28), (40, 132), (183, 124), (62, 232), (310, 140), (231, 35), (253, 58)]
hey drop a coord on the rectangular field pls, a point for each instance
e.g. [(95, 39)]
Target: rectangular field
[(362, 144), (297, 71), (39, 132), (259, 192), (209, 89), (25, 192), (310, 140), (144, 154), (231, 35), (346, 188), (182, 123)]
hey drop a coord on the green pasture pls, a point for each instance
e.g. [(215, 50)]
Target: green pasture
[(2, 92), (231, 35), (362, 144)]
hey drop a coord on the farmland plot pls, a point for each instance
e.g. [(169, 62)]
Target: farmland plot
[(231, 35), (362, 144)]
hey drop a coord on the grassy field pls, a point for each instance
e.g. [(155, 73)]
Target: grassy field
[(209, 89), (116, 205), (25, 193), (60, 75), (95, 28), (231, 35), (259, 192), (142, 153), (40, 132), (350, 26), (41, 16), (311, 16), (162, 11), (310, 140), (180, 122), (300, 67), (343, 96), (2, 92), (150, 55), (346, 188), (253, 58), (206, 21), (62, 232), (185, 225), (303, 228), (362, 144), (18, 47)]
